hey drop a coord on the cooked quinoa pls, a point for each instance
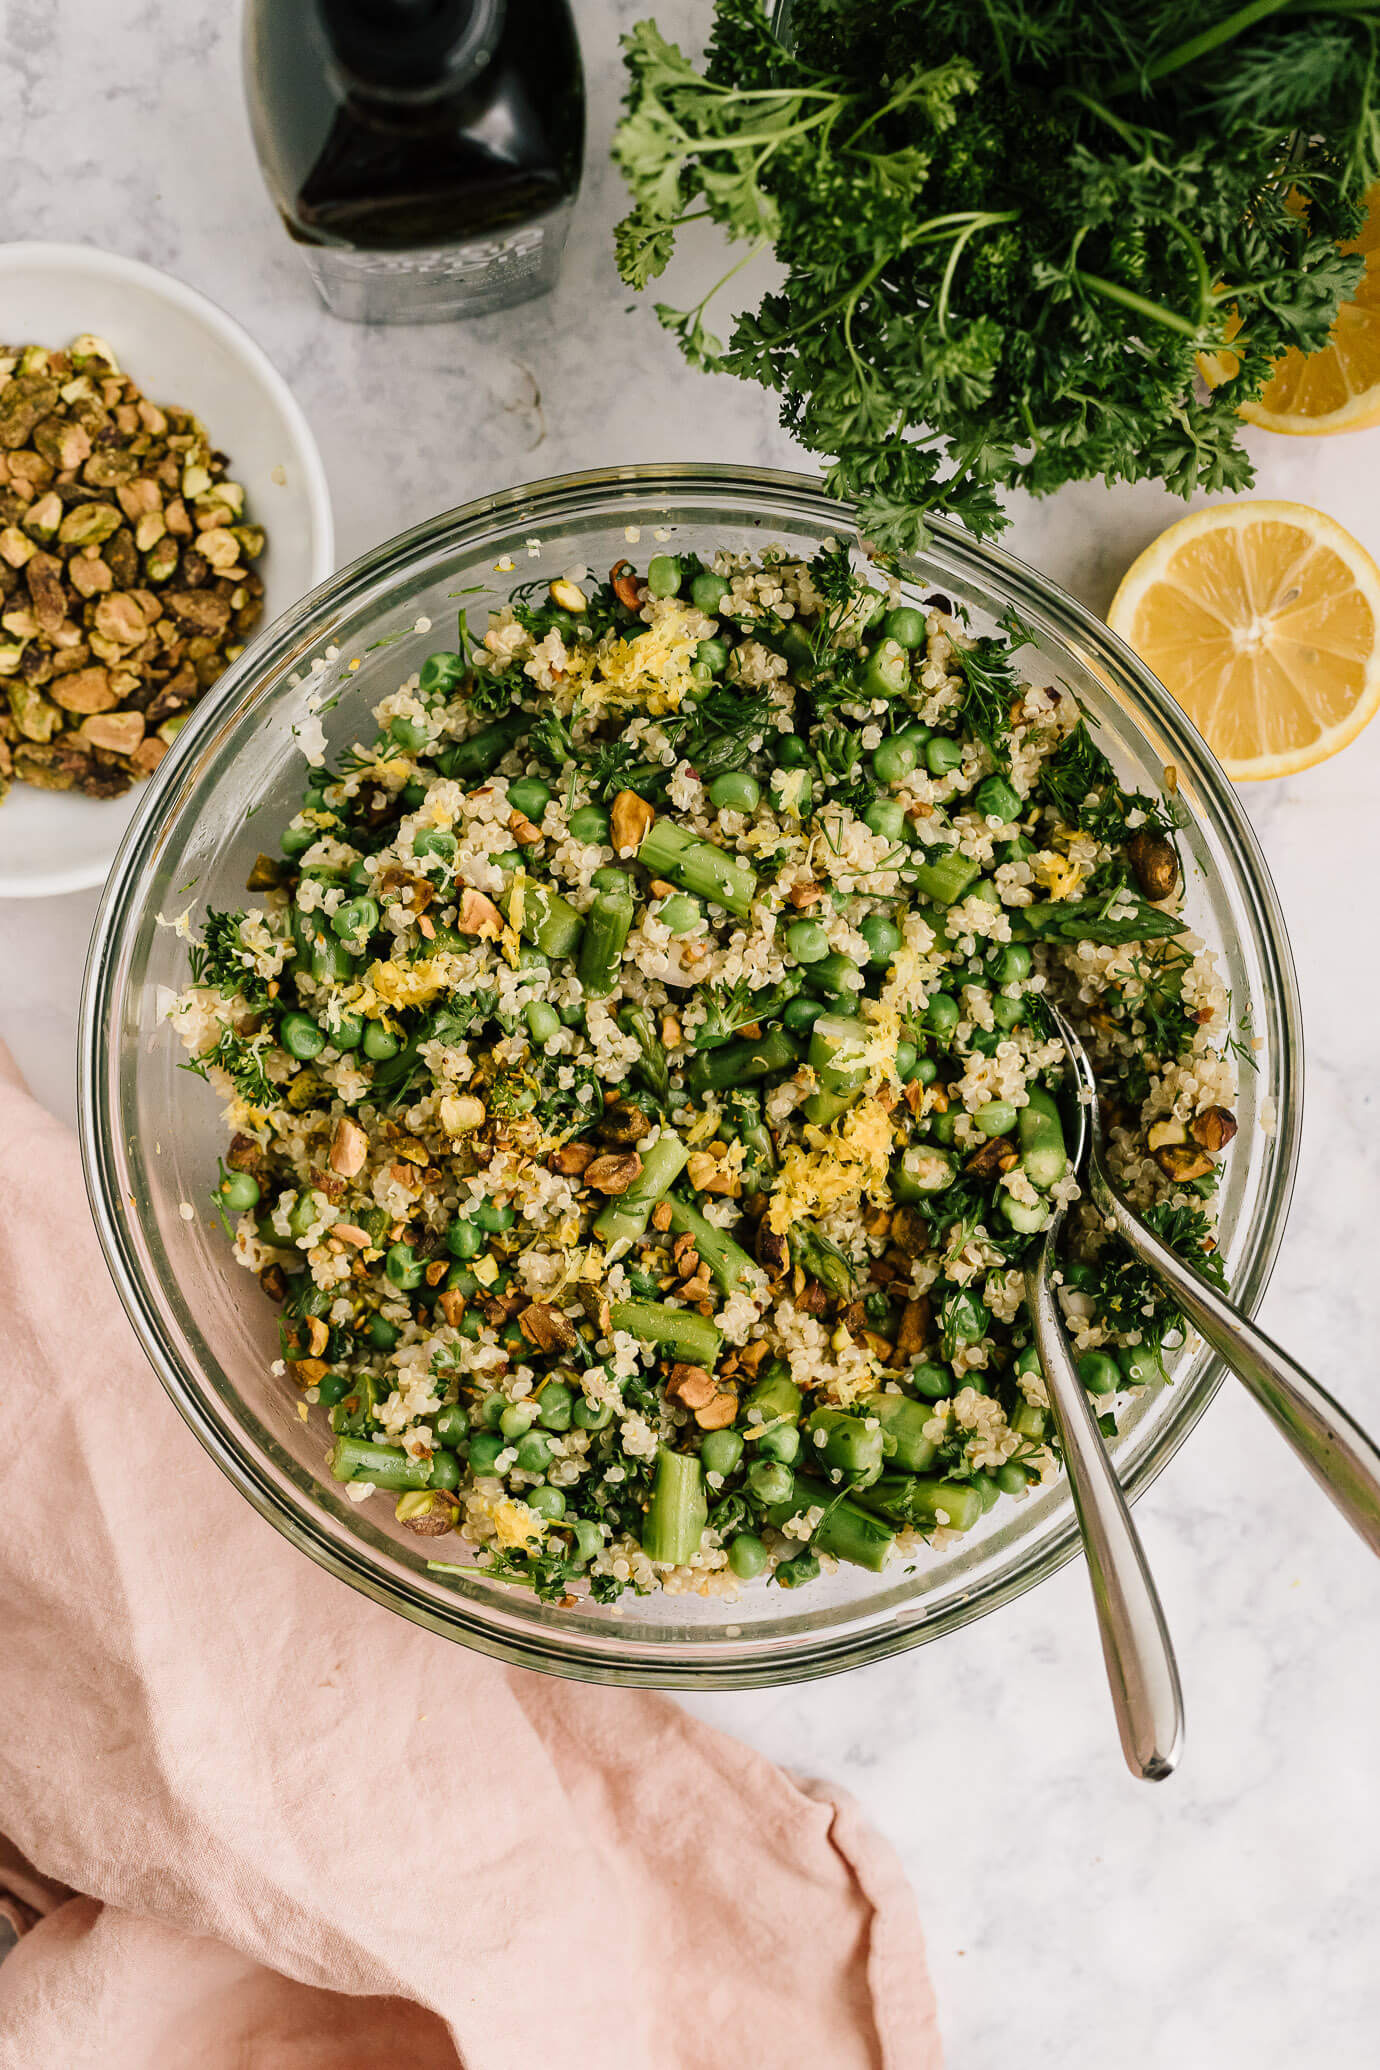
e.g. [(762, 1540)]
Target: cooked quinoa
[(643, 1088)]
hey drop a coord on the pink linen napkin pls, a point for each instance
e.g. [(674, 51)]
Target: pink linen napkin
[(260, 1823)]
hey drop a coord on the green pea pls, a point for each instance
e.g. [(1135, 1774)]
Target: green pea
[(412, 797), (995, 799), (721, 1451), (511, 1338), (707, 592), (701, 679), (1012, 964), (663, 574), (445, 1469), (572, 1015), (680, 913), (301, 1037), (508, 858), (348, 1032), (295, 840), (381, 1333), (494, 1407), (1099, 1373), (409, 734), (887, 672), (1140, 1364), (791, 751), (770, 1482), (801, 1013), (588, 1415), (905, 626), (332, 1388), (893, 760), (883, 939), (440, 672), (942, 1014), (1027, 1360), (240, 1191), (434, 841), (713, 655), (379, 1043), (610, 879), (917, 733), (494, 1215), (517, 1419), (460, 1280), (1081, 1278), (547, 1502), (588, 1539), (463, 1240), (943, 754), (542, 1020), (906, 1061), (885, 816), (807, 941), (589, 823), (530, 796), (356, 916), (534, 1453), (943, 1128), (783, 1443), (735, 791), (453, 1425), (995, 1118), (403, 1267), (1008, 1013), (484, 1451), (932, 1381), (747, 1556), (1012, 1478), (554, 1405), (926, 1070)]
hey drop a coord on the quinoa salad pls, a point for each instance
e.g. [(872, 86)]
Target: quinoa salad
[(642, 1091)]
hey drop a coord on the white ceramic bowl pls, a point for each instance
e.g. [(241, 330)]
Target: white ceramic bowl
[(181, 349)]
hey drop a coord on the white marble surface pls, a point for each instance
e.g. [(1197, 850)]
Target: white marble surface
[(1077, 1921)]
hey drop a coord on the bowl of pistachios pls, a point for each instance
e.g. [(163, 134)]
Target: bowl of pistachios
[(161, 497)]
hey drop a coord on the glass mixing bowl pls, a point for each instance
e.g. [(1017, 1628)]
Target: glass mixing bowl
[(152, 1133)]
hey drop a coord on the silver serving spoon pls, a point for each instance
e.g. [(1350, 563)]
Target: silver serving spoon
[(1336, 1451), (1135, 1641)]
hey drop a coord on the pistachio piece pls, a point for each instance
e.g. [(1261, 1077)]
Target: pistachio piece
[(1183, 1162), (85, 690), (1213, 1129), (1154, 863), (118, 732)]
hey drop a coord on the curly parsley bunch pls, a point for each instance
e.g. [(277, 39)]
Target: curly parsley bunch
[(1009, 231)]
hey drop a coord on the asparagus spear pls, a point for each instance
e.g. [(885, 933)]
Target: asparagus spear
[(739, 1061), (677, 1513), (681, 1333), (727, 1261), (481, 754), (698, 866), (549, 922), (625, 1217), (838, 1057), (1043, 1155), (847, 1532), (387, 1466), (607, 926), (945, 878)]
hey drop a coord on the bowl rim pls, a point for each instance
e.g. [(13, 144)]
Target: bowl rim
[(810, 1656), (19, 255)]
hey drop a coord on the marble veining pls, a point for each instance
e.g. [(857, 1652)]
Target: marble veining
[(1077, 1921)]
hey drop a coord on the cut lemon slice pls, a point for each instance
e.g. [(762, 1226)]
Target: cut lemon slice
[(1337, 389), (1263, 621)]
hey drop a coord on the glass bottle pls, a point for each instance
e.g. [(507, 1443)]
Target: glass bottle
[(425, 154)]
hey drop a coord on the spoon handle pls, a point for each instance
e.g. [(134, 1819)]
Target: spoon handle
[(1135, 1641), (1336, 1451)]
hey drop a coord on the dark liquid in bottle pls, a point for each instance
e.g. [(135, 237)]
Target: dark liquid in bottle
[(425, 153)]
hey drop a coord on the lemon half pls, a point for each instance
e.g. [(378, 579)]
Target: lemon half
[(1262, 620)]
